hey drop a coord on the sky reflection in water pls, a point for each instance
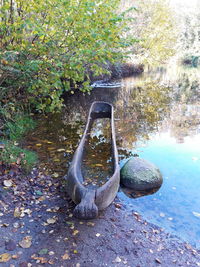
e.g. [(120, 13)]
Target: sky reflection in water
[(175, 206)]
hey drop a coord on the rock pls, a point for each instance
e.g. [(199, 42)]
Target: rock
[(139, 174)]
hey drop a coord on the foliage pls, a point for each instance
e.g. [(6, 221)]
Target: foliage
[(189, 41), (156, 28), (49, 47)]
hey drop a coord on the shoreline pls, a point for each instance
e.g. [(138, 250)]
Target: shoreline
[(37, 207)]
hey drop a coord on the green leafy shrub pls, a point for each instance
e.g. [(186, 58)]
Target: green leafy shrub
[(49, 47)]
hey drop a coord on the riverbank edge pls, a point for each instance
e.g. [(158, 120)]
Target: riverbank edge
[(39, 208), (119, 71)]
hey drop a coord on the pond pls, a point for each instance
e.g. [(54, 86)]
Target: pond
[(157, 117)]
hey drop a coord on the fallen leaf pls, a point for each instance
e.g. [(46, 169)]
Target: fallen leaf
[(38, 144), (55, 175), (68, 151), (43, 251), (75, 232), (41, 259), (51, 262), (66, 256), (51, 220), (56, 160), (117, 260), (157, 260), (5, 257), (117, 205), (38, 192), (26, 242), (162, 214), (98, 165), (97, 235), (90, 224), (7, 183), (41, 198), (17, 212), (61, 150), (27, 211), (16, 256)]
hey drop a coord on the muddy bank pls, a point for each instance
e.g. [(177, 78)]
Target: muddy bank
[(37, 229)]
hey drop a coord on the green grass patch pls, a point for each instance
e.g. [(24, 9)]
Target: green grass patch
[(16, 125), (13, 156), (19, 126)]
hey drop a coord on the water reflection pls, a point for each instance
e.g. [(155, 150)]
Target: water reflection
[(176, 205), (97, 165)]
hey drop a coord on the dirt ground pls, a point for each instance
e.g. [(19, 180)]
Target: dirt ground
[(37, 228)]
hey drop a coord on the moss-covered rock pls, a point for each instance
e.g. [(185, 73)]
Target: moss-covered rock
[(140, 174)]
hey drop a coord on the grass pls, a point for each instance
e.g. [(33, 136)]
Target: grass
[(15, 127), (13, 156)]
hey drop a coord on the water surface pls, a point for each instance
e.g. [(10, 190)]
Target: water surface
[(157, 117)]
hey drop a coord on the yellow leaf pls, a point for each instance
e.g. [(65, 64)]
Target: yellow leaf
[(60, 150), (17, 212), (38, 144), (56, 160), (98, 165), (5, 257), (75, 232), (55, 175), (68, 151)]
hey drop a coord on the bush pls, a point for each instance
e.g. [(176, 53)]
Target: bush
[(49, 47)]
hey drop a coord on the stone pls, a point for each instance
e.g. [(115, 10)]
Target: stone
[(140, 174)]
